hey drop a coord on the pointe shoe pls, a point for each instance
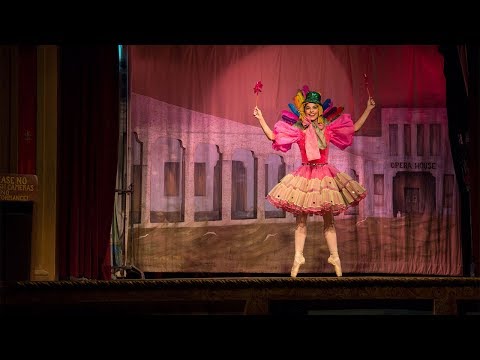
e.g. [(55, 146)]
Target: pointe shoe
[(297, 262), (336, 264)]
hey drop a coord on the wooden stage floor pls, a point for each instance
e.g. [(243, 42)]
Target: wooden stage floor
[(360, 295)]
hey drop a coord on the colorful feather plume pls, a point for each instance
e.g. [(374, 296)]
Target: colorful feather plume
[(294, 109), (289, 117), (305, 90), (298, 99), (333, 113), (330, 112), (327, 104)]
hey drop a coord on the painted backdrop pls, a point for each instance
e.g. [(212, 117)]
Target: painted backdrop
[(201, 166)]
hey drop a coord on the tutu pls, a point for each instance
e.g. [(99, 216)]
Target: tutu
[(316, 187)]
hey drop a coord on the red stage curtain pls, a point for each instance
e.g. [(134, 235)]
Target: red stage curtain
[(87, 157)]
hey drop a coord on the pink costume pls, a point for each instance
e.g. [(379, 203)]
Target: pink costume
[(316, 187)]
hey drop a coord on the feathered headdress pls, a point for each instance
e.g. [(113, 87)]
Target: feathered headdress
[(296, 113)]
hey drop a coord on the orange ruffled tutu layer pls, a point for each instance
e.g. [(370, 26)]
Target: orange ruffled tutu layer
[(316, 189)]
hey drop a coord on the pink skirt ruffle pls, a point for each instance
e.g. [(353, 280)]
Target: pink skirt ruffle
[(316, 190)]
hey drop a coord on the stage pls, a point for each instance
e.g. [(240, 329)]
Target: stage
[(357, 295)]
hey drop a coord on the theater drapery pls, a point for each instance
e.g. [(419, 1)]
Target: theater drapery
[(88, 129), (201, 165)]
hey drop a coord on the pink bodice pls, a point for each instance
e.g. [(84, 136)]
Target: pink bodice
[(339, 133)]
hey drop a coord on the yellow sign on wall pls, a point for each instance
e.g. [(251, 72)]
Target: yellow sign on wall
[(18, 187)]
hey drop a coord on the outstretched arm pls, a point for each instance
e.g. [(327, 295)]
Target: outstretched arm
[(266, 129), (361, 120)]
